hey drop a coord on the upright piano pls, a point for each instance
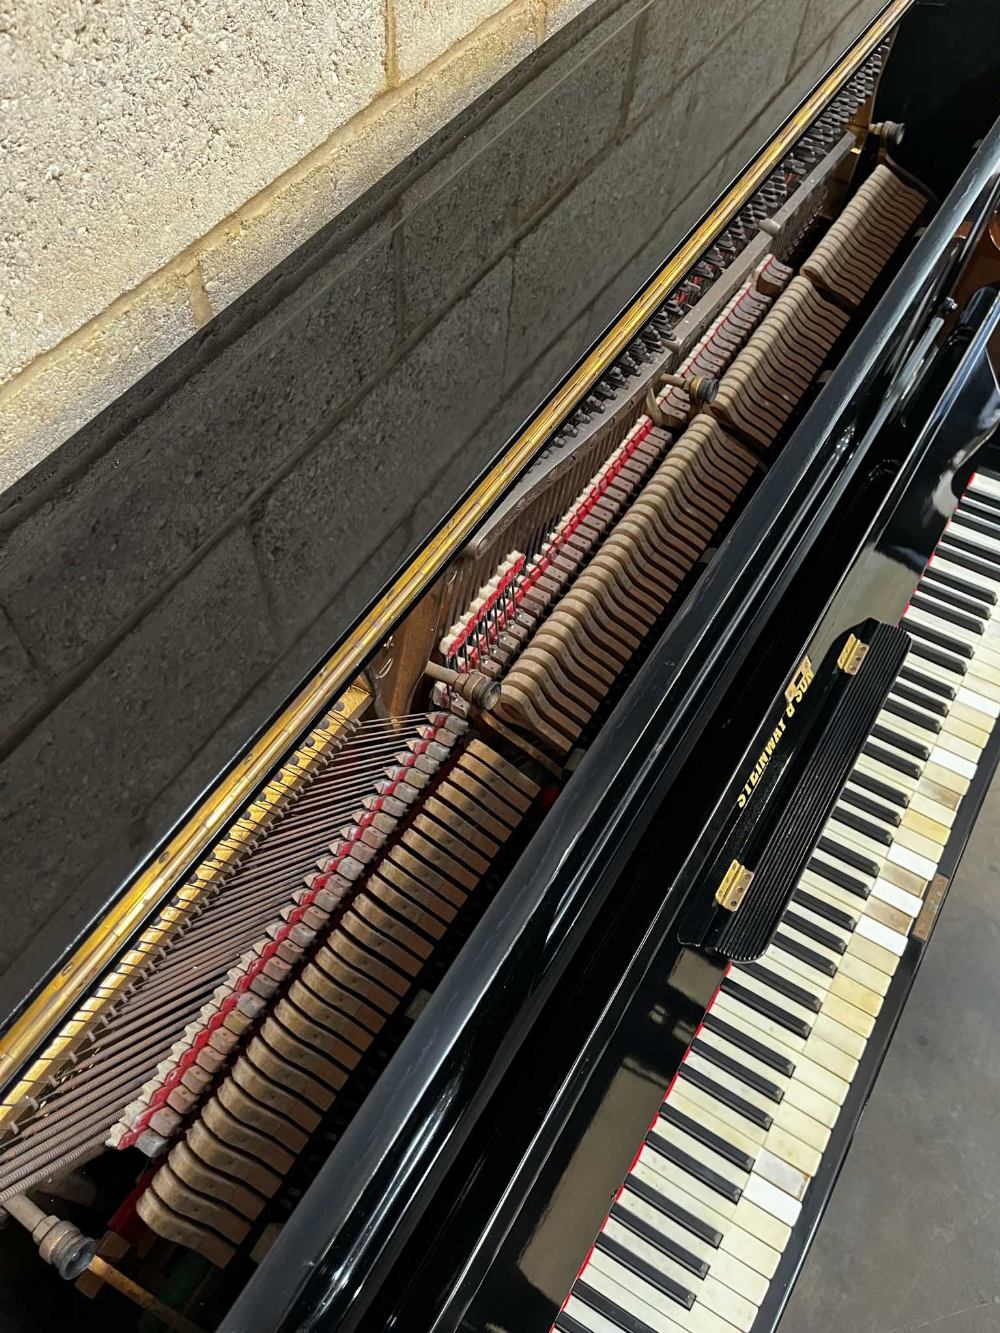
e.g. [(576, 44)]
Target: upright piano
[(532, 968)]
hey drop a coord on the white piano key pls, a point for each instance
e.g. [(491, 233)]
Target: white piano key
[(858, 994), (930, 819), (845, 1039), (804, 1098), (946, 777), (772, 1200), (981, 702), (874, 954), (762, 1223), (879, 934), (963, 767), (832, 1058), (849, 1016), (876, 909), (856, 969), (920, 865), (776, 1171), (905, 902), (923, 834), (797, 1138)]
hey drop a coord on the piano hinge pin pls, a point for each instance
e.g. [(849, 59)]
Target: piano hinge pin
[(852, 655), (733, 888), (473, 686)]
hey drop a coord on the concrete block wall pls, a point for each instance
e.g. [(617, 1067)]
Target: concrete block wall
[(169, 573)]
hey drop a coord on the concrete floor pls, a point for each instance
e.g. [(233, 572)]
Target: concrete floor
[(911, 1239)]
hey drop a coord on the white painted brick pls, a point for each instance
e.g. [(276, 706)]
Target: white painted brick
[(427, 28), (132, 129)]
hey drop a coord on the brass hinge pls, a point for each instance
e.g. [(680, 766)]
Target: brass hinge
[(733, 888), (852, 655)]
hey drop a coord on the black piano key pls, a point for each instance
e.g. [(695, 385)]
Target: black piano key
[(698, 1131), (953, 540), (765, 1007), (697, 1227), (979, 497), (968, 518), (614, 1314), (929, 683), (892, 760), (947, 661), (839, 877), (922, 700), (647, 1271), (738, 1070), (752, 1047), (874, 808), (813, 932), (665, 1244), (902, 710), (762, 973), (964, 586), (960, 601), (877, 787), (817, 961), (899, 739), (841, 852), (971, 511), (937, 637), (953, 552), (565, 1323), (697, 1170), (822, 908), (933, 607), (862, 825)]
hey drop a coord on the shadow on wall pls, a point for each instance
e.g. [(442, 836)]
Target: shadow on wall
[(170, 574)]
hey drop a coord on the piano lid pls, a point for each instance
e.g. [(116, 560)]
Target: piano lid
[(283, 439)]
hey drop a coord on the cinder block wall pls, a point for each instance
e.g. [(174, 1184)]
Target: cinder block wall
[(169, 572)]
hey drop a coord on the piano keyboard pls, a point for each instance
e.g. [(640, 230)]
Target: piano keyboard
[(697, 1230)]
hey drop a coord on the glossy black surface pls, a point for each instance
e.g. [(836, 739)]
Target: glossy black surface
[(189, 556), (512, 1021)]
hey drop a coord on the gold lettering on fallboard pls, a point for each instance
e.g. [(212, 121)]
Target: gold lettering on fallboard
[(795, 691)]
